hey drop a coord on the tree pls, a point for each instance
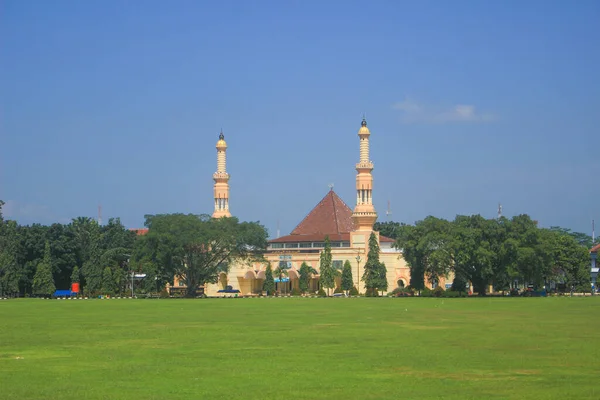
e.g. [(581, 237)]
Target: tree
[(9, 268), (326, 271), (372, 276), (269, 283), (389, 228), (75, 275), (382, 283), (305, 273), (43, 281), (347, 281), (281, 270), (197, 248), (108, 282)]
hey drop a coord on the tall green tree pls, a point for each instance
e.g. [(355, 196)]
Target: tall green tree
[(281, 271), (326, 270), (108, 282), (374, 270), (43, 281), (389, 228), (305, 273), (269, 282), (75, 275), (347, 281), (382, 283), (9, 269), (197, 248)]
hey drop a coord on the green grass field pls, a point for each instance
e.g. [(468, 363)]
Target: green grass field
[(296, 348)]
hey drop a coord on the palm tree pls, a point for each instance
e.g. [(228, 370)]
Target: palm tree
[(305, 273), (281, 271)]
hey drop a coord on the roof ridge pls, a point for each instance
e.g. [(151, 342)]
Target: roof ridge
[(337, 225), (308, 215)]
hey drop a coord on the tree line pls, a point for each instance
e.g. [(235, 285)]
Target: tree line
[(503, 253), (36, 259)]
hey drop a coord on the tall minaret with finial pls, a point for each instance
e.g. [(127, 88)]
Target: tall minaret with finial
[(221, 178), (364, 214)]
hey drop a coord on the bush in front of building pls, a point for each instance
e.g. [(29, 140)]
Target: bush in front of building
[(321, 293), (353, 291), (296, 292)]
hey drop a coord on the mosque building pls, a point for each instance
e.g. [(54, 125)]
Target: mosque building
[(348, 231)]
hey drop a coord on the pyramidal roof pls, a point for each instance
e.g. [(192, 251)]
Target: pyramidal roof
[(330, 217)]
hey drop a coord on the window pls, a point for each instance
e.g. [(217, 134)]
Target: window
[(319, 244), (336, 244), (305, 245), (181, 283), (338, 264), (285, 257), (291, 245), (277, 245), (345, 244)]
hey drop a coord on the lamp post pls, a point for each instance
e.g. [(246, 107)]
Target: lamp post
[(357, 271)]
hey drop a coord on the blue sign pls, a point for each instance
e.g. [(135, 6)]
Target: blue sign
[(282, 280)]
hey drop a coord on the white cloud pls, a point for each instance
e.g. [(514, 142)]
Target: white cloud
[(413, 112)]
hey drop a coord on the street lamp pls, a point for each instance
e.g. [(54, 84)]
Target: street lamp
[(357, 271)]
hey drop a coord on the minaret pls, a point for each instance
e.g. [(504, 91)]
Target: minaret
[(364, 214), (221, 178)]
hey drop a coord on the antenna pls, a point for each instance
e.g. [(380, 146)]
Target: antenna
[(499, 210), (388, 212), (593, 232), (100, 214)]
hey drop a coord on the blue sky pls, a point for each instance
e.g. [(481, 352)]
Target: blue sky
[(470, 103)]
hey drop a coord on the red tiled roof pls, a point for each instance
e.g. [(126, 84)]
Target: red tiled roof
[(595, 249), (139, 231), (316, 237), (331, 216), (343, 237)]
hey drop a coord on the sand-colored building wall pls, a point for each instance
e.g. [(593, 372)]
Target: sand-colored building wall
[(249, 277)]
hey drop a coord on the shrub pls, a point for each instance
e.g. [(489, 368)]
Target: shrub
[(426, 293), (438, 291), (353, 291), (296, 292), (321, 293), (164, 294), (371, 293), (402, 292)]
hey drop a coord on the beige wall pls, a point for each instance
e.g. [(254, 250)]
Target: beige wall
[(243, 276)]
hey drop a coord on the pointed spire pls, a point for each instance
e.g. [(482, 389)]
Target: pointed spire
[(364, 120), (221, 136)]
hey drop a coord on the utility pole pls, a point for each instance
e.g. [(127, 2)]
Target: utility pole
[(388, 212)]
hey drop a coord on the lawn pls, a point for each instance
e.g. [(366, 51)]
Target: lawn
[(297, 348)]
